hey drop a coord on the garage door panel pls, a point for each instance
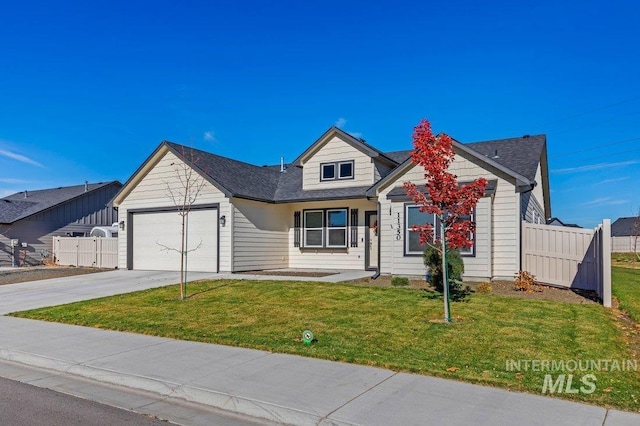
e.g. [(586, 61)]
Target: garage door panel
[(153, 232)]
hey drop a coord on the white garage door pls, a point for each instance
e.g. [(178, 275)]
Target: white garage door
[(154, 231)]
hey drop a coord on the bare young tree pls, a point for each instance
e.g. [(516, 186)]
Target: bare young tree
[(183, 192)]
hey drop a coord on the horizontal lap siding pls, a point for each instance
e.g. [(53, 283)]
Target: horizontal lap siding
[(152, 191), (333, 151), (496, 223), (260, 236), (349, 258)]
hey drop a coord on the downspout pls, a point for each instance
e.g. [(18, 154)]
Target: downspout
[(377, 274)]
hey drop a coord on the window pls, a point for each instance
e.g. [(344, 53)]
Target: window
[(326, 228), (336, 228), (339, 170), (469, 251), (413, 216), (328, 171), (346, 170), (313, 229)]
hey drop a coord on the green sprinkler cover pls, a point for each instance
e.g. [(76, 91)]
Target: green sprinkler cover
[(307, 337)]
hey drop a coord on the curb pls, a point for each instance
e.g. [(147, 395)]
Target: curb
[(220, 400)]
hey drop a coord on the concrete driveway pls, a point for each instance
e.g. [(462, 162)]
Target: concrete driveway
[(37, 294)]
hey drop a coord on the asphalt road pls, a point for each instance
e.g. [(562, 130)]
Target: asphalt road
[(26, 405)]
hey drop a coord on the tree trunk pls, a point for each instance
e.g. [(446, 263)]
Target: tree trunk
[(445, 271)]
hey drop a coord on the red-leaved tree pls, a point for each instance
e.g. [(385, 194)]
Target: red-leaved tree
[(442, 195)]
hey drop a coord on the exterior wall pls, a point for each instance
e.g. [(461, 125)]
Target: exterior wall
[(624, 245), (338, 150), (497, 227), (533, 202), (347, 258), (260, 235), (531, 210), (76, 216), (152, 191)]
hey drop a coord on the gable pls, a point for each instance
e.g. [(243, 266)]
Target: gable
[(159, 178), (333, 153)]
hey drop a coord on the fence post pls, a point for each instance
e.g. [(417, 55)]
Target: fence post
[(606, 263)]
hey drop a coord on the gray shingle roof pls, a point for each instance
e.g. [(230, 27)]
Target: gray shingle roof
[(624, 227), (16, 207), (521, 155), (266, 183)]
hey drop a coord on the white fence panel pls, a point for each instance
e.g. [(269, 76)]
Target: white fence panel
[(569, 257), (625, 244), (86, 251)]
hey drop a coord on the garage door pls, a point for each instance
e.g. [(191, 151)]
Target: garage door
[(154, 231)]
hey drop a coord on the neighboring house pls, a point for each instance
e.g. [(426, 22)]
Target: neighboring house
[(33, 218), (557, 222), (625, 235), (339, 205)]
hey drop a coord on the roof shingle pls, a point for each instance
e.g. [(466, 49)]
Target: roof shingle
[(18, 206)]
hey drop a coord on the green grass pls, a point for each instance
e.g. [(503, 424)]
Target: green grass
[(626, 288), (629, 260), (395, 328)]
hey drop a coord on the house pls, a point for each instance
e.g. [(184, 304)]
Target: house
[(554, 221), (625, 235), (340, 205), (30, 219)]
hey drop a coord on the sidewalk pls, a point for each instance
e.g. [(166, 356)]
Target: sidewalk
[(281, 388)]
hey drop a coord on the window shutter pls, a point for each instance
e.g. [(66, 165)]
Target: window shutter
[(296, 229), (354, 227)]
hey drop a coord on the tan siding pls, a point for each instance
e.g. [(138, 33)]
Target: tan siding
[(497, 226), (338, 150), (152, 191), (261, 236), (349, 258)]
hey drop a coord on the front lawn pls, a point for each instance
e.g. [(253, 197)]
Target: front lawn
[(626, 288), (395, 328)]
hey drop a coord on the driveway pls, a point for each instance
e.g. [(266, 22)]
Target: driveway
[(37, 294)]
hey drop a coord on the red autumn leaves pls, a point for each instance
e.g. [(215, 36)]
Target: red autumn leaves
[(451, 202)]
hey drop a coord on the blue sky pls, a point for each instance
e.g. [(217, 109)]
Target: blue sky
[(89, 89)]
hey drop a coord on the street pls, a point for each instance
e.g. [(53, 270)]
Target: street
[(23, 404)]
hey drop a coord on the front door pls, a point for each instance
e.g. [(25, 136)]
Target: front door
[(371, 240)]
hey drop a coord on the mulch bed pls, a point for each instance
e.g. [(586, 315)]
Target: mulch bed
[(290, 273), (501, 288), (36, 273)]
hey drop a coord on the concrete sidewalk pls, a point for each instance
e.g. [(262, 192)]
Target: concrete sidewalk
[(280, 388)]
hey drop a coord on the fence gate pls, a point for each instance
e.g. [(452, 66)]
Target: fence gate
[(97, 252), (569, 257)]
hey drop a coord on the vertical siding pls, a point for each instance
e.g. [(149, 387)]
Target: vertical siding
[(348, 258), (338, 150), (260, 235), (78, 215), (497, 219), (152, 191)]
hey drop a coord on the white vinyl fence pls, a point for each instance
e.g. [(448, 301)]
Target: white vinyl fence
[(97, 252), (569, 257), (630, 244)]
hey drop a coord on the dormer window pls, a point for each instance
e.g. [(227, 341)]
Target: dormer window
[(336, 171)]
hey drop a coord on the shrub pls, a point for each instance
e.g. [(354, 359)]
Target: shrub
[(455, 268), (484, 288), (526, 282), (399, 281), (433, 260)]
